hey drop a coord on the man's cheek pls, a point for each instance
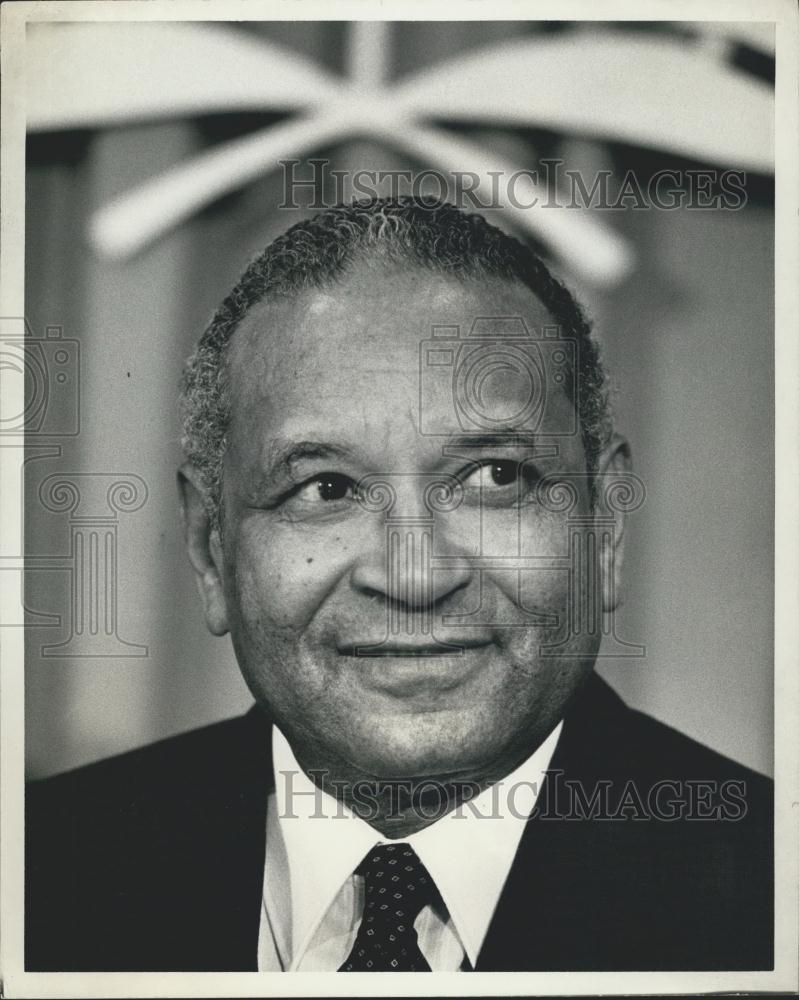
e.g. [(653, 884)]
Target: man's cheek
[(283, 583), (540, 585), (543, 603)]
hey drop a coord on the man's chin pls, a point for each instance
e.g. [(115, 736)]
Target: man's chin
[(448, 743)]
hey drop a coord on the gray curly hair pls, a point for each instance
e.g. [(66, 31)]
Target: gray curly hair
[(315, 253)]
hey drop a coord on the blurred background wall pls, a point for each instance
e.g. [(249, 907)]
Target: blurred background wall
[(688, 338)]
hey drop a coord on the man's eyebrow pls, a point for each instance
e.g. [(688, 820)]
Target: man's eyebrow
[(512, 437), (282, 456)]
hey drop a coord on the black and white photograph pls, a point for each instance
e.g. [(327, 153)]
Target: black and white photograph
[(398, 555)]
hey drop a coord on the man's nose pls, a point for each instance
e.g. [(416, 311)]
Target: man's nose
[(396, 563), (399, 568)]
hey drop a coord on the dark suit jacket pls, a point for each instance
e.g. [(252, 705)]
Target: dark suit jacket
[(154, 860)]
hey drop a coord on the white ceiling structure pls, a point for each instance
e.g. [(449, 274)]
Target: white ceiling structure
[(658, 91)]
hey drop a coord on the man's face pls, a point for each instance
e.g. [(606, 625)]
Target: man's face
[(326, 395)]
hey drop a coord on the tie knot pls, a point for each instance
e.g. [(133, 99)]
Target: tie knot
[(398, 886)]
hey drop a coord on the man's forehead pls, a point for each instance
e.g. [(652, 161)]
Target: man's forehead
[(370, 313), (355, 362)]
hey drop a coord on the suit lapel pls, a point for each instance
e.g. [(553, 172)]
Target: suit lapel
[(549, 914), (228, 831)]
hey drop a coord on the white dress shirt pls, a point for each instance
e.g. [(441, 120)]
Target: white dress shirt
[(312, 901)]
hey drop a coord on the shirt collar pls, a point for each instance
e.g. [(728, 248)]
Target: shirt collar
[(468, 852), (324, 843)]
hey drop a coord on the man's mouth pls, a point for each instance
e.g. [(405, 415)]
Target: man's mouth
[(419, 673), (382, 647)]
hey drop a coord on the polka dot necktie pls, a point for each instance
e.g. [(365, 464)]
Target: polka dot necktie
[(398, 887)]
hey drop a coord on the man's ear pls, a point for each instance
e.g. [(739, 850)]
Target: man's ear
[(204, 548), (614, 460)]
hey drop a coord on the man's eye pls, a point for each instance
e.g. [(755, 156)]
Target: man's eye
[(494, 475), (327, 488), (330, 494), (501, 483)]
